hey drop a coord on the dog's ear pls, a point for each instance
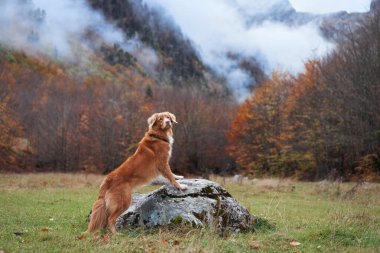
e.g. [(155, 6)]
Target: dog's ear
[(152, 119), (172, 117)]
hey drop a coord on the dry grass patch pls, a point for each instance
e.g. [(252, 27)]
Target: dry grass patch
[(49, 180)]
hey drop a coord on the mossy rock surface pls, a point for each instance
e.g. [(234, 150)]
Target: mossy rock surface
[(204, 203)]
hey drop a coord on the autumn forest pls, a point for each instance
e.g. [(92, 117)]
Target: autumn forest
[(90, 115)]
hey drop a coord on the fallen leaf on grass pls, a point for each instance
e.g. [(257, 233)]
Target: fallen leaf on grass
[(105, 238), (227, 235), (295, 243), (44, 230), (176, 242), (164, 241), (255, 245), (81, 237), (314, 236)]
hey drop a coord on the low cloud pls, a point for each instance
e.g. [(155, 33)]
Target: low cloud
[(219, 27), (62, 29)]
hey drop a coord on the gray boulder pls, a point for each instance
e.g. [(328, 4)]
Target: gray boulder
[(204, 203)]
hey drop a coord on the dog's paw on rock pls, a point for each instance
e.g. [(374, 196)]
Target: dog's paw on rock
[(183, 187)]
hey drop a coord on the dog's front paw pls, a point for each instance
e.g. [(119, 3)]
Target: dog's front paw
[(183, 187), (178, 177)]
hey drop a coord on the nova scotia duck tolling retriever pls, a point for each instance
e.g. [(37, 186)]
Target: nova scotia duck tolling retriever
[(150, 160)]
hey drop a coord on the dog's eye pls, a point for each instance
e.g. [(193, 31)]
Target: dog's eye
[(160, 119)]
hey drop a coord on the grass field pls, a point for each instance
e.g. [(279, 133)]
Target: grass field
[(47, 213)]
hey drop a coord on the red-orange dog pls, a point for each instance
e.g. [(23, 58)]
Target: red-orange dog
[(150, 160)]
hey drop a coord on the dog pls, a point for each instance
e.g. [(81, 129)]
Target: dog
[(150, 160)]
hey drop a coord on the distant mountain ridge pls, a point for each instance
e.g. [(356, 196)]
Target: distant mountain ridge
[(332, 26)]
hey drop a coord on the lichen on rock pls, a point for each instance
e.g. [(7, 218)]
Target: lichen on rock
[(204, 203)]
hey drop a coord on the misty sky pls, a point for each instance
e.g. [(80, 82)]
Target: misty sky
[(327, 6), (60, 30), (219, 26)]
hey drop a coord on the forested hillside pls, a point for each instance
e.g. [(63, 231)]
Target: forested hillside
[(324, 122), (179, 63), (63, 117)]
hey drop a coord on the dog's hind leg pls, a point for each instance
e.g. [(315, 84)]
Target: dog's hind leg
[(118, 203)]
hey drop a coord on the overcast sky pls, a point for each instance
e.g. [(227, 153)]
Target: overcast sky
[(326, 6)]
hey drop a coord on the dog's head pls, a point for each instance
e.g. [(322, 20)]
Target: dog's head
[(162, 121)]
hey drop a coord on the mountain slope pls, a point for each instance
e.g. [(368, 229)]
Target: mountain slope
[(179, 62)]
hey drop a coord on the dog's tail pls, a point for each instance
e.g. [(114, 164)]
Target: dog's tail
[(99, 211)]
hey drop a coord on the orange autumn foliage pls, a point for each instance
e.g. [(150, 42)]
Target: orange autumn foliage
[(90, 118)]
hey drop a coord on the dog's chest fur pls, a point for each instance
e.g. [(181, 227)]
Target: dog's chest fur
[(171, 141)]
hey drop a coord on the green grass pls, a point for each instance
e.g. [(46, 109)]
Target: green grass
[(47, 213)]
